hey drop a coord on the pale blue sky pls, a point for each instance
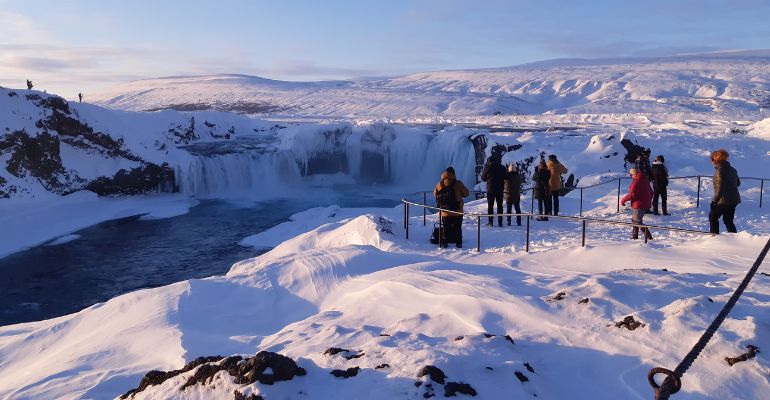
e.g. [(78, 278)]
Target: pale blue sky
[(66, 46)]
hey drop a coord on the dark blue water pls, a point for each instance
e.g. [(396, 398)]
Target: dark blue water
[(120, 256)]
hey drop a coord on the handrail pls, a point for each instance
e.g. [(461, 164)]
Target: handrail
[(570, 217), (583, 220), (620, 178)]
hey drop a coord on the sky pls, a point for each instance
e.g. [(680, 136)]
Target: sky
[(66, 47)]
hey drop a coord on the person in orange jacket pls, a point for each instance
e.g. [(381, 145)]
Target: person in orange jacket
[(557, 169), (452, 222)]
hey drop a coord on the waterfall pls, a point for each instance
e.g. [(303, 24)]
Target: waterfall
[(260, 175), (409, 159)]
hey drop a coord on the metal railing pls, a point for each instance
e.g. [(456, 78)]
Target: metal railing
[(584, 221), (700, 178)]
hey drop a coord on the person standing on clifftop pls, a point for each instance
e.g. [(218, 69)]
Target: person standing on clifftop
[(494, 175), (541, 180), (640, 196), (726, 194), (449, 193), (659, 185), (513, 193), (557, 170)]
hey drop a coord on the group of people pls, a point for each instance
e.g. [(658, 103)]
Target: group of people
[(502, 183), (642, 196), (657, 174), (547, 186), (648, 185)]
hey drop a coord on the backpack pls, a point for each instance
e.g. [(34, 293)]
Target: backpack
[(436, 233), (449, 235), (446, 198)]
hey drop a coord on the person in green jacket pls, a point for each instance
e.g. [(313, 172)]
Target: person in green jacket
[(726, 194)]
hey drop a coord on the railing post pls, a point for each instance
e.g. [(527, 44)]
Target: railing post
[(761, 188), (478, 234), (697, 199), (644, 231), (526, 246), (581, 202), (424, 209), (440, 227), (584, 234), (407, 221), (404, 201), (619, 195), (532, 202)]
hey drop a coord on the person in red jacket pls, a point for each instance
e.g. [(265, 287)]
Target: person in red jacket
[(640, 196)]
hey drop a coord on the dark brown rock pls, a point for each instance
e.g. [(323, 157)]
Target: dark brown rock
[(452, 388), (435, 373), (348, 373), (240, 396), (629, 323), (529, 368), (751, 353)]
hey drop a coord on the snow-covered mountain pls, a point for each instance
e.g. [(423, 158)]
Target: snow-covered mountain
[(727, 83)]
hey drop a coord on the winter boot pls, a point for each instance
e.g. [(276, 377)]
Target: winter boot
[(635, 232), (459, 243), (647, 233)]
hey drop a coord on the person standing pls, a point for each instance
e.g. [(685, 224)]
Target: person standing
[(659, 185), (449, 193), (80, 97), (541, 180), (557, 170), (494, 175), (726, 194), (640, 196), (513, 193), (642, 164)]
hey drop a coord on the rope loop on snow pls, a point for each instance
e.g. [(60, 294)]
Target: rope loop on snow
[(671, 383), (663, 391)]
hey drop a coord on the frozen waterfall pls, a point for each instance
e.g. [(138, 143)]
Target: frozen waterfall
[(407, 158)]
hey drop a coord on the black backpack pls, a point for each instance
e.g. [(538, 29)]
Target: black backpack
[(446, 198)]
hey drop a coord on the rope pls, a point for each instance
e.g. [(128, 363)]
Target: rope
[(672, 383)]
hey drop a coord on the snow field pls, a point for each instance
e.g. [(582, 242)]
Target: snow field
[(349, 281)]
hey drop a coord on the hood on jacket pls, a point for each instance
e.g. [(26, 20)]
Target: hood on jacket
[(447, 178)]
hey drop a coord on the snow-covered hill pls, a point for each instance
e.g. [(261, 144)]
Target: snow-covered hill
[(394, 306), (736, 84)]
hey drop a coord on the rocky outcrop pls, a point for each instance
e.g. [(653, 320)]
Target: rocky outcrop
[(37, 158), (140, 180), (34, 155), (265, 367)]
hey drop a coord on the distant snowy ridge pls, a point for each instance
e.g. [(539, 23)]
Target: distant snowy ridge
[(731, 83)]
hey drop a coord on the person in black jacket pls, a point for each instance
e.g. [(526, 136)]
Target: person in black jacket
[(513, 193), (726, 193), (494, 175), (642, 164), (659, 185), (541, 180)]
